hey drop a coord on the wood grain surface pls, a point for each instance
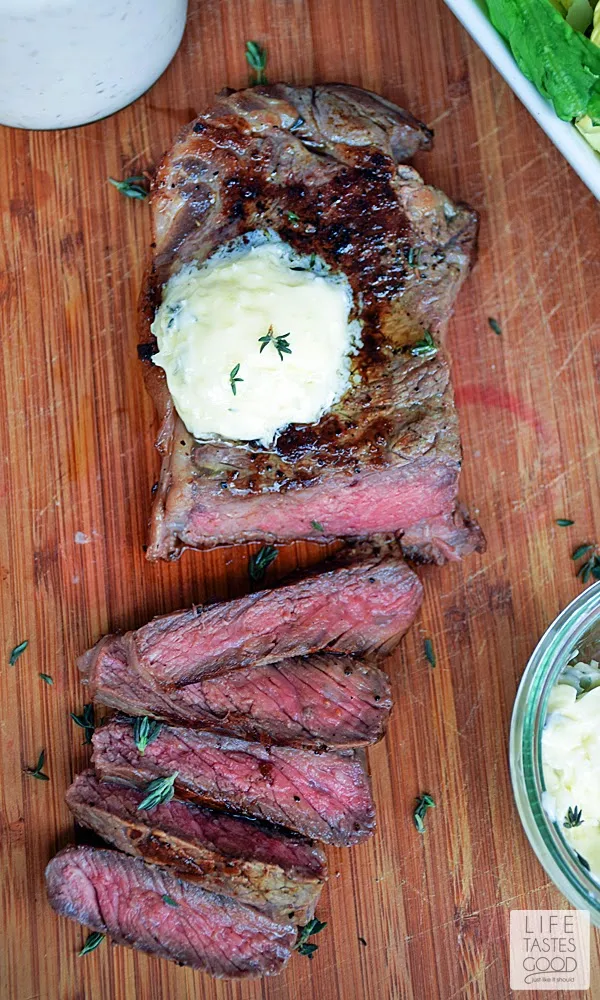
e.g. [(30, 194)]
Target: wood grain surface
[(77, 465)]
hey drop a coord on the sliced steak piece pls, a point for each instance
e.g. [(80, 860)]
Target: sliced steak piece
[(364, 607), (319, 701), (278, 872), (148, 908), (322, 167), (322, 796)]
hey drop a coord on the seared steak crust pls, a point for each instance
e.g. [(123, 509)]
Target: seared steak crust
[(275, 871), (325, 797), (363, 607), (316, 702), (387, 456), (129, 900)]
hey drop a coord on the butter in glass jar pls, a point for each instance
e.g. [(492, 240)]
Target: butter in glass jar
[(70, 62)]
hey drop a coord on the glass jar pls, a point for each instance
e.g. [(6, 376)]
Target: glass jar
[(69, 62), (576, 628)]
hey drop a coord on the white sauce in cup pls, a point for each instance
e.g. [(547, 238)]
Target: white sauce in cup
[(69, 62)]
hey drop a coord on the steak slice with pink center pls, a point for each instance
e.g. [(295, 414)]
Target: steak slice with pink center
[(278, 872), (363, 607), (319, 701), (325, 796), (147, 908)]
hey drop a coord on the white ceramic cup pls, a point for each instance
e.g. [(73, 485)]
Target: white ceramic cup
[(69, 62)]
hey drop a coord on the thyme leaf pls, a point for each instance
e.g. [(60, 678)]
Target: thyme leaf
[(260, 562), (279, 343), (158, 791), (256, 57), (92, 942), (429, 652), (582, 550), (145, 731), (424, 348), (132, 187), (318, 526), (233, 379), (495, 326), (582, 861), (86, 721), (37, 772), (423, 803), (46, 678), (16, 652), (303, 946), (591, 566), (564, 522), (572, 818), (292, 217), (169, 900)]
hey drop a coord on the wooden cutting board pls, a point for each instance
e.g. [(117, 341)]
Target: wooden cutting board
[(411, 916)]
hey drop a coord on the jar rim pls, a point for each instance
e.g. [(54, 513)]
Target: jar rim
[(548, 660)]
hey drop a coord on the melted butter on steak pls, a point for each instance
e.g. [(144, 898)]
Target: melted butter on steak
[(254, 340)]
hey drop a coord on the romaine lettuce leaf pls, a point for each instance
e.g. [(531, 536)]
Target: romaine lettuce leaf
[(562, 63)]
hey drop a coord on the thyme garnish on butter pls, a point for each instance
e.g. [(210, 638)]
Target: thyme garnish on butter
[(36, 772), (233, 379), (16, 652), (86, 721), (158, 791), (92, 942), (423, 803), (573, 818), (260, 562), (279, 343), (303, 946), (132, 187), (256, 57), (145, 731), (424, 348)]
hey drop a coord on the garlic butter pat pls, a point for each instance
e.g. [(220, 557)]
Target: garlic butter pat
[(571, 766), (253, 340)]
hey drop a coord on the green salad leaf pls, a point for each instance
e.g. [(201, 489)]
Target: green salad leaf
[(562, 63)]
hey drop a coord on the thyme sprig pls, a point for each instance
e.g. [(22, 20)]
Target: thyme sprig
[(132, 187), (92, 942), (159, 791), (280, 343), (303, 946), (37, 772), (17, 651), (260, 562), (424, 348), (233, 378), (256, 57), (145, 731), (572, 818), (86, 721), (423, 803), (591, 565)]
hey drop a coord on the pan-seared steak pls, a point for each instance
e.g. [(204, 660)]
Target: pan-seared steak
[(325, 796), (322, 167), (278, 872), (363, 607), (319, 701), (148, 908)]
